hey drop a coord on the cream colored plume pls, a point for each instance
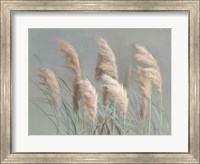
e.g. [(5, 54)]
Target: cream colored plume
[(89, 97), (52, 86), (105, 96), (144, 56), (145, 82), (154, 75), (127, 77), (76, 94), (143, 107), (153, 70), (72, 56), (106, 61), (145, 90), (117, 91)]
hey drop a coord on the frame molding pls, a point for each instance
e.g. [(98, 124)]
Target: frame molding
[(8, 7)]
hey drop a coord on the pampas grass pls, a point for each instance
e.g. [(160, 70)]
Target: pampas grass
[(148, 75), (89, 97), (154, 75), (74, 65), (106, 64), (76, 94), (144, 56), (145, 82), (105, 96), (72, 56), (52, 86), (127, 77), (121, 114), (106, 61), (118, 92), (152, 70), (52, 91), (145, 90), (143, 107)]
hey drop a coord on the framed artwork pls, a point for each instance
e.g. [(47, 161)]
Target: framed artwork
[(104, 110), (99, 81)]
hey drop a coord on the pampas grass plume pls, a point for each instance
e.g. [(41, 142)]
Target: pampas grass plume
[(89, 97), (145, 89), (153, 70), (144, 56), (72, 56), (145, 82), (76, 94), (106, 61), (51, 82), (127, 77), (117, 91)]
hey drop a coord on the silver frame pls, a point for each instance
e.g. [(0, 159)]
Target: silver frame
[(10, 6)]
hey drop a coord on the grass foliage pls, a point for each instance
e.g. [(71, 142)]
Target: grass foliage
[(114, 118)]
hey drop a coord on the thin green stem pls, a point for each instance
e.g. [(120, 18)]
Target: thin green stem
[(113, 119), (83, 119), (161, 115), (105, 121), (92, 124), (37, 58), (124, 122), (57, 129), (149, 131), (142, 127), (57, 119)]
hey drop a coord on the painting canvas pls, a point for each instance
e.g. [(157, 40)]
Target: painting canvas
[(99, 81)]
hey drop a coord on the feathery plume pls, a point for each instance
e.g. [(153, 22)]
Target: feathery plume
[(143, 107), (52, 86), (155, 76), (152, 73), (145, 89), (127, 77), (106, 64), (105, 96), (76, 94), (99, 71), (153, 70), (72, 56), (144, 56), (106, 61), (145, 82), (117, 91), (147, 76), (73, 63), (89, 97)]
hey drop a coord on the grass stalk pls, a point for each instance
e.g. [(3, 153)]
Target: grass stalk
[(124, 122), (114, 110), (149, 131), (66, 123), (57, 120), (161, 115), (142, 127), (57, 129), (92, 124), (83, 119)]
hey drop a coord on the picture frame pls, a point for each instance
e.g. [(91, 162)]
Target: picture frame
[(9, 7)]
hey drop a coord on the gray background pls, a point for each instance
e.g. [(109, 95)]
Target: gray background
[(42, 42)]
